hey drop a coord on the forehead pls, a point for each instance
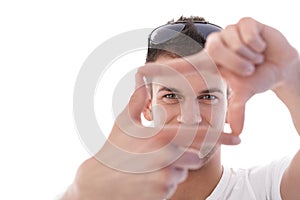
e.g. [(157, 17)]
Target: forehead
[(192, 81)]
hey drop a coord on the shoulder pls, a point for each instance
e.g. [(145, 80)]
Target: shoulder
[(259, 182)]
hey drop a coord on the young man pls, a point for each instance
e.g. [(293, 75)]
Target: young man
[(188, 103)]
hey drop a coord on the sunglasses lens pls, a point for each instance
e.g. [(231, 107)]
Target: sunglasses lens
[(165, 33), (206, 29)]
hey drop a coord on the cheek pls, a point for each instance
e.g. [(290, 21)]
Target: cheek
[(164, 114)]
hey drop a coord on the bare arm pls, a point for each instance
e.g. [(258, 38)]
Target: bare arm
[(254, 58), (140, 162), (289, 93)]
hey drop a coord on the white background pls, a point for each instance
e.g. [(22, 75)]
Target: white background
[(42, 47)]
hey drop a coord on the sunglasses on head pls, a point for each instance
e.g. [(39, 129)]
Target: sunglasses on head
[(167, 32)]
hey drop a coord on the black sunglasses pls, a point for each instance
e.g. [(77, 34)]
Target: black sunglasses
[(167, 32)]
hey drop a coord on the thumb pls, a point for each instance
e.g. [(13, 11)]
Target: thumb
[(136, 104), (236, 114)]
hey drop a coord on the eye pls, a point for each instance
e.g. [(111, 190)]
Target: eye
[(208, 99), (171, 98)]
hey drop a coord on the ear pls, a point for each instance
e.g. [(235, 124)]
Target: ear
[(147, 111)]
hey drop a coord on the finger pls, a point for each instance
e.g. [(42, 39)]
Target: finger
[(182, 174), (226, 58), (145, 155), (190, 64), (183, 136), (236, 114), (177, 174), (129, 120), (233, 40), (136, 140), (189, 160), (136, 162), (250, 32), (166, 69), (229, 139), (136, 103), (211, 140), (195, 138), (139, 80), (239, 95), (139, 98)]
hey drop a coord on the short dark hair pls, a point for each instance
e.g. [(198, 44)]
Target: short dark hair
[(179, 44)]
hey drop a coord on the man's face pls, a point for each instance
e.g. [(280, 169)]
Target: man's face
[(192, 99)]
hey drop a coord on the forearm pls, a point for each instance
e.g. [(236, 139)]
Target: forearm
[(289, 93)]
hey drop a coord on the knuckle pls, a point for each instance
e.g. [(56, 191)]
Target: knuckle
[(134, 98), (212, 43), (166, 175), (237, 48), (86, 164), (167, 189), (140, 71), (245, 20), (165, 184), (229, 27), (161, 162), (250, 40)]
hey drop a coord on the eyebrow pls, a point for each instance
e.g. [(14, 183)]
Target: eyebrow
[(168, 89), (211, 90)]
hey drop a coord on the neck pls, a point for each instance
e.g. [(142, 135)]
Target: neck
[(201, 183)]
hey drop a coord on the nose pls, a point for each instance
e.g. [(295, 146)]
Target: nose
[(190, 113)]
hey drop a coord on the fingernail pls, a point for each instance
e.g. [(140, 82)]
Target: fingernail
[(249, 69), (236, 140), (259, 59)]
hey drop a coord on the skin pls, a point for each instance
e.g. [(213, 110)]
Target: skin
[(251, 62), (200, 99), (154, 178)]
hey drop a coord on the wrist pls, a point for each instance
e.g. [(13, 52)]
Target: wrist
[(289, 83)]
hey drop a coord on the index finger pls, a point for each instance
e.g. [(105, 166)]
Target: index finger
[(199, 62), (193, 137)]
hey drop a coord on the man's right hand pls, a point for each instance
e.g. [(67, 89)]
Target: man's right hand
[(139, 162)]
